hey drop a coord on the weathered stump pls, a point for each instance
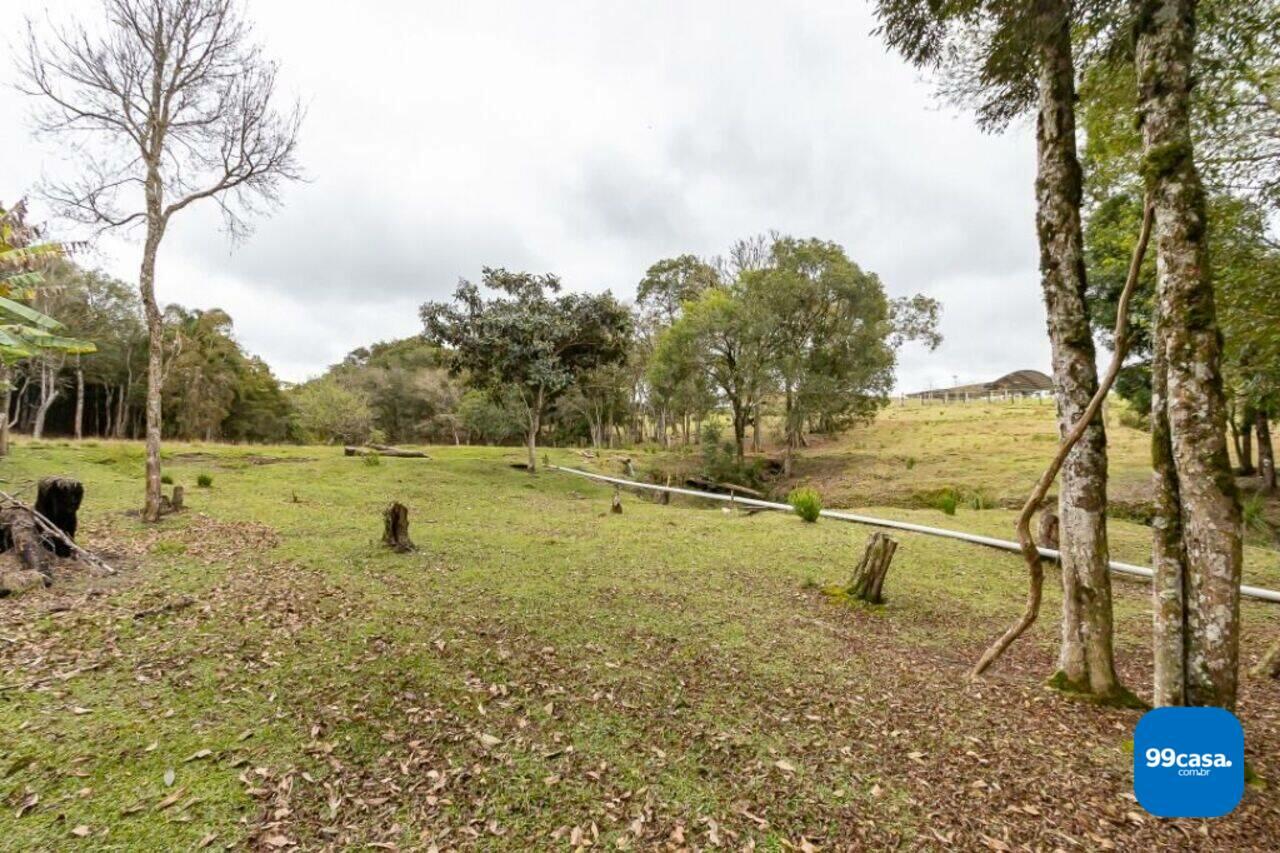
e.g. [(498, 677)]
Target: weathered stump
[(868, 577), (1047, 531), (395, 533), (20, 537), (664, 498), (629, 468), (171, 504), (58, 499), (1269, 666), (616, 509)]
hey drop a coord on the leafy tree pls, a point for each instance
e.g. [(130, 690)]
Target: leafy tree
[(407, 384), (201, 374), (330, 412), (677, 380), (533, 340), (832, 334), (260, 410), (492, 417), (728, 338), (670, 283)]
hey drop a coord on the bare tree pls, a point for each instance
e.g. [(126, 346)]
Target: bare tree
[(169, 103)]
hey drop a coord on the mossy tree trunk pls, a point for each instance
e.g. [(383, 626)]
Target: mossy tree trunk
[(1197, 550), (1085, 658)]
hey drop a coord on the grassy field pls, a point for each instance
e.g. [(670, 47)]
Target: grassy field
[(993, 450), (542, 674)]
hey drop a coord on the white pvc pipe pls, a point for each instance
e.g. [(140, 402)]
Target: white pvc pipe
[(1256, 592)]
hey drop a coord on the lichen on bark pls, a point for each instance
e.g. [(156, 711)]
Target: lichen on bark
[(1197, 531)]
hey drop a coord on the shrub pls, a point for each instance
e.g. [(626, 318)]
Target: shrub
[(204, 481), (377, 436), (1255, 508), (167, 479), (911, 462), (806, 503), (979, 499), (947, 500), (720, 461), (371, 459)]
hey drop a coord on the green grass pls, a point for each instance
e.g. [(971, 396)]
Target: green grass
[(540, 665), (911, 452)]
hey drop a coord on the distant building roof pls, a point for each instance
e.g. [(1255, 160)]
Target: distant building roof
[(1018, 382)]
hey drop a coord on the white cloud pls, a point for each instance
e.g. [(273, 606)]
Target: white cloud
[(590, 139)]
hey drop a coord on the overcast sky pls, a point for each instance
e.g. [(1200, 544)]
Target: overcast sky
[(590, 139)]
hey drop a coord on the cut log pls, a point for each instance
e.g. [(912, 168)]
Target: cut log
[(383, 450), (395, 533), (1047, 531), (868, 578), (22, 524), (617, 501), (20, 535), (58, 499), (722, 488)]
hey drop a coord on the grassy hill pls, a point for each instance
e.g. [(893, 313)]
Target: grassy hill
[(542, 674), (992, 450)]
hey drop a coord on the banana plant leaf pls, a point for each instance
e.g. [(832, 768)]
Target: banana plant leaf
[(20, 285), (12, 257), (26, 312)]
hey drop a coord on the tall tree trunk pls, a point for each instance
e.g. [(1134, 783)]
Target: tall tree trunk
[(79, 400), (122, 409), (48, 394), (757, 429), (535, 424), (1197, 526), (104, 417), (1266, 455), (739, 430), (155, 353), (1085, 660), (1246, 443), (6, 393)]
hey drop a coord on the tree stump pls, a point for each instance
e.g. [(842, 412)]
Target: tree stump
[(629, 467), (395, 534), (174, 503), (1047, 531), (1269, 666), (664, 498), (616, 509), (868, 577), (20, 537), (58, 499)]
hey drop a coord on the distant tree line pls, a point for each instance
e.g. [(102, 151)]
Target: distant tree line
[(781, 330), (213, 389)]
